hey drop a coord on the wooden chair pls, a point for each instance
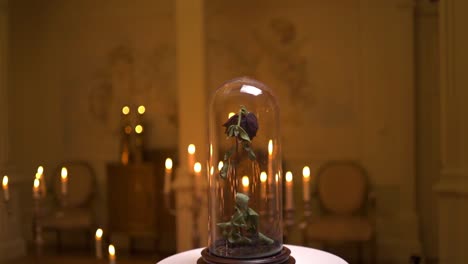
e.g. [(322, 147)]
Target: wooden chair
[(343, 193), (75, 211)]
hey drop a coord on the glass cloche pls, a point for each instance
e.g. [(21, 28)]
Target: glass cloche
[(245, 176)]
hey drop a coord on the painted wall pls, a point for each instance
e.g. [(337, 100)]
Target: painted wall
[(343, 72)]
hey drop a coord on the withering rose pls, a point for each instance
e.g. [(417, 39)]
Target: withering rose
[(248, 123)]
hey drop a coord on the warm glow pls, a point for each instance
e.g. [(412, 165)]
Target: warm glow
[(289, 176), (245, 181), (125, 110), (197, 167), (40, 170), (111, 250), (211, 150), (139, 129), (168, 164), (36, 183), (306, 172), (220, 165), (211, 170), (270, 147), (263, 176), (191, 149), (99, 233), (5, 182), (231, 114), (64, 173), (141, 109), (128, 130), (276, 177)]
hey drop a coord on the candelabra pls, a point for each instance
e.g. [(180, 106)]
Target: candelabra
[(194, 207)]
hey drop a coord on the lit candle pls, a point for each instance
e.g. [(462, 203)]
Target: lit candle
[(125, 110), (289, 190), (98, 236), (39, 176), (64, 180), (141, 109), (191, 157), (167, 176), (306, 177), (36, 188), (245, 184), (220, 165), (139, 129), (231, 114), (6, 192), (111, 254), (197, 169), (263, 179), (270, 161)]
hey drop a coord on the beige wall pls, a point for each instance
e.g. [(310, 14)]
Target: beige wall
[(75, 63)]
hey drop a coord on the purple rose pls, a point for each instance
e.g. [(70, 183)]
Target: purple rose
[(248, 123)]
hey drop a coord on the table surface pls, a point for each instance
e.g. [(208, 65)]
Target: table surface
[(303, 255)]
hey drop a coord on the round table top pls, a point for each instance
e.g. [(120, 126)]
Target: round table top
[(303, 255)]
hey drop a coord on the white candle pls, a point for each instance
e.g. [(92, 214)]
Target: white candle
[(197, 170), (36, 184), (167, 175), (270, 162), (6, 192), (289, 191), (111, 254), (98, 236), (306, 177), (263, 179), (245, 184), (191, 157), (64, 180)]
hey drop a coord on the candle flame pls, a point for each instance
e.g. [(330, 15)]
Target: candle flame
[(64, 173), (245, 181), (168, 164), (5, 182), (306, 172), (99, 233), (276, 177), (197, 167), (125, 110), (289, 176), (231, 114), (38, 176), (211, 150), (139, 129), (111, 250), (270, 147), (211, 170), (263, 176), (191, 149), (220, 165), (40, 170), (36, 183), (141, 109)]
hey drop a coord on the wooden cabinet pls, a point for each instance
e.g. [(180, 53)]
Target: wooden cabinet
[(132, 199)]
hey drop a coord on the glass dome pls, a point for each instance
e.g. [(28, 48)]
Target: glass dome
[(245, 199)]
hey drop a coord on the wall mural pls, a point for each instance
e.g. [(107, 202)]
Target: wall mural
[(312, 72), (131, 78)]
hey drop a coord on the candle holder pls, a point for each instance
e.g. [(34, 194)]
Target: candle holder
[(37, 226), (194, 208)]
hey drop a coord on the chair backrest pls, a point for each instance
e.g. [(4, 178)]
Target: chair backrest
[(80, 186), (342, 187)]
